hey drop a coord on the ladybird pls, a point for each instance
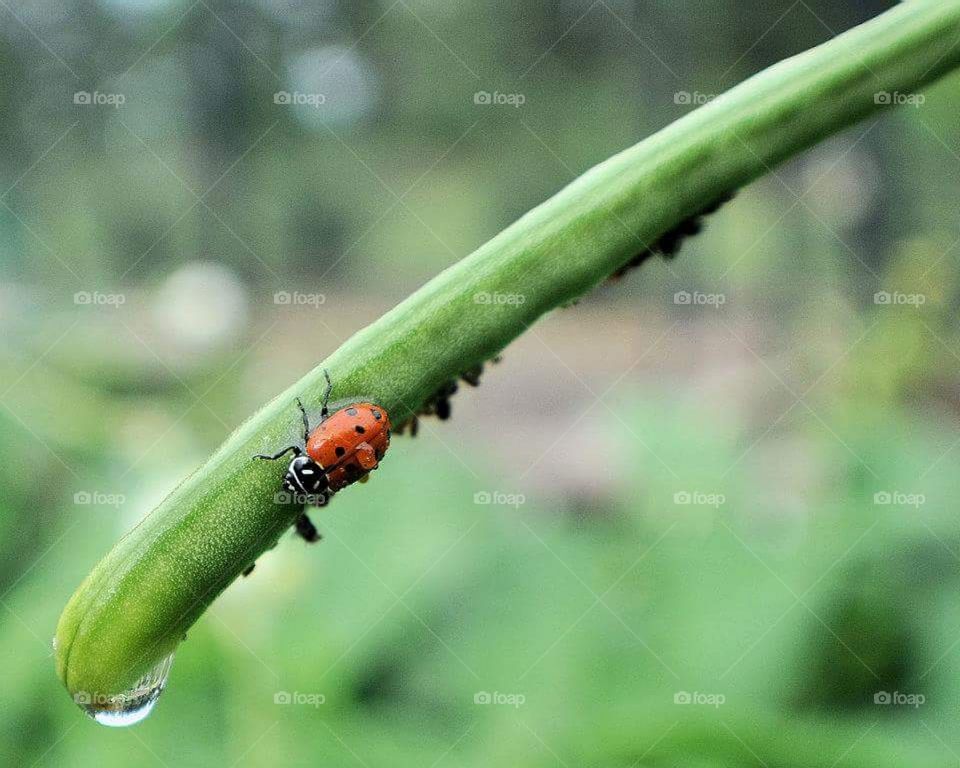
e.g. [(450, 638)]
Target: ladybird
[(343, 448)]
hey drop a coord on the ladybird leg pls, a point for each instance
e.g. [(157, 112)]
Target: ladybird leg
[(249, 569), (296, 452), (307, 530), (306, 422), (414, 426), (326, 395)]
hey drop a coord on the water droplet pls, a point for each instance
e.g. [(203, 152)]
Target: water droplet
[(131, 706)]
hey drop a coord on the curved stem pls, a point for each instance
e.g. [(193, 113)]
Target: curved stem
[(138, 602)]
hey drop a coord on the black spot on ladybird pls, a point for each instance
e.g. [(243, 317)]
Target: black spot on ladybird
[(340, 450), (352, 411), (377, 415), (360, 430)]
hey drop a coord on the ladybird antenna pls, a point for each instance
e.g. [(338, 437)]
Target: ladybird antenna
[(326, 395), (306, 422)]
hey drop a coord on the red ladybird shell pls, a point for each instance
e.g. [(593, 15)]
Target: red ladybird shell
[(350, 443)]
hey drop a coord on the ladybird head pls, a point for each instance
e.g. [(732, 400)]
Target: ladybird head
[(305, 476)]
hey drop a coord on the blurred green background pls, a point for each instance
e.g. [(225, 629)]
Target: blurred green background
[(714, 533)]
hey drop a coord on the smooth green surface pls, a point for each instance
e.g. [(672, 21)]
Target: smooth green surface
[(140, 600)]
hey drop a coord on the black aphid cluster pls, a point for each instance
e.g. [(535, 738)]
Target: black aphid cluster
[(438, 404), (668, 244)]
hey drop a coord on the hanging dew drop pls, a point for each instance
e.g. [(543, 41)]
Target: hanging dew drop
[(133, 705)]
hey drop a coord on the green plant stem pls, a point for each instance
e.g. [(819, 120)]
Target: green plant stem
[(138, 602)]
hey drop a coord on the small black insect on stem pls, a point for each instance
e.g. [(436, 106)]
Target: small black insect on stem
[(668, 244), (438, 404)]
